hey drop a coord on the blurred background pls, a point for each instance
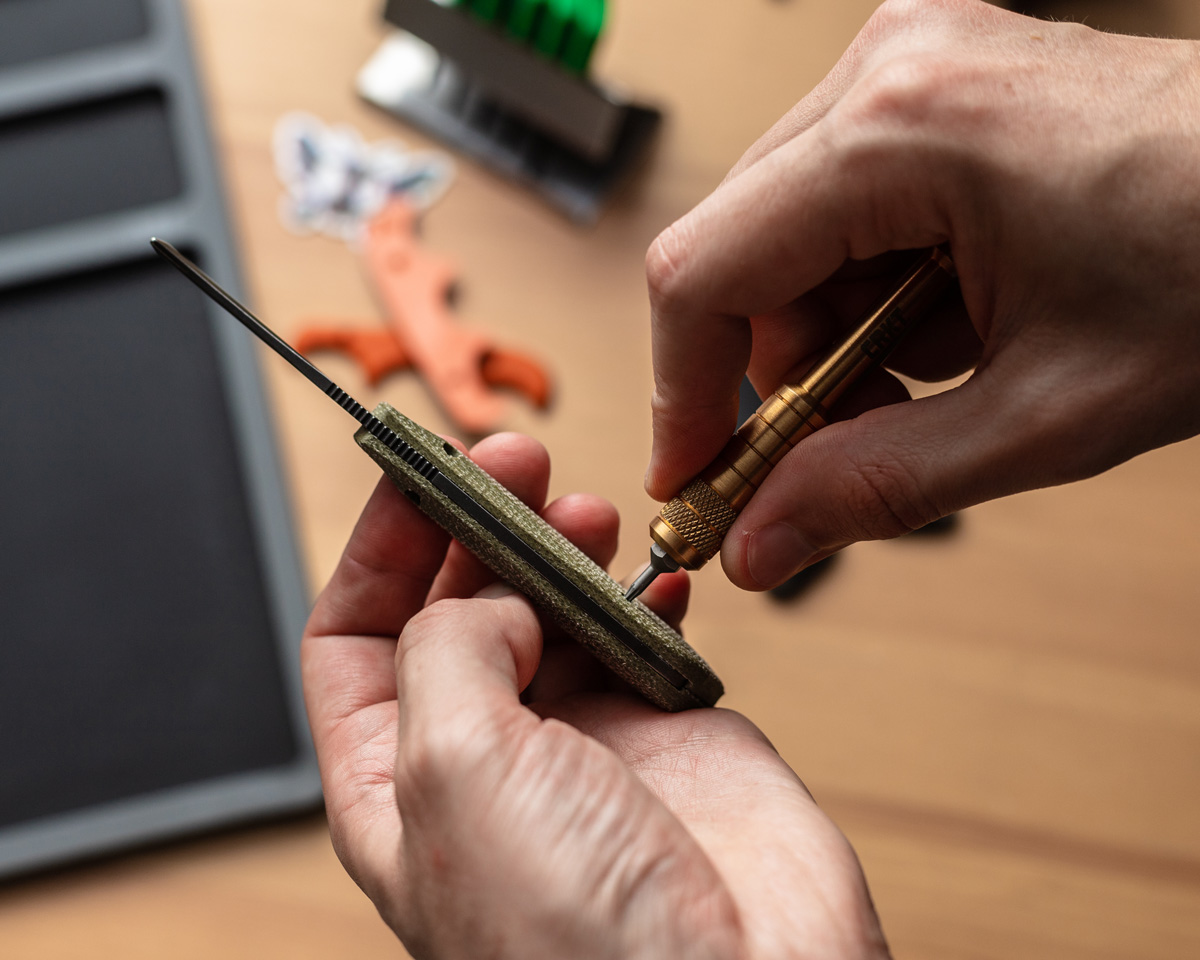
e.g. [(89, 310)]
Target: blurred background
[(1004, 719)]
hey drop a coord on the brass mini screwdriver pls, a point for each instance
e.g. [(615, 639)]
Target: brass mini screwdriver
[(688, 531)]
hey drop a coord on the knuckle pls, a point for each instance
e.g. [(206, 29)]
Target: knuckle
[(666, 412), (666, 267), (892, 16), (424, 627), (885, 500), (915, 67), (905, 92), (896, 138)]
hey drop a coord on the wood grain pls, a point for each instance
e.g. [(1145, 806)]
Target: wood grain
[(1005, 721)]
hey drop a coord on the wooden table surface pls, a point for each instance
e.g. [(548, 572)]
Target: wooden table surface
[(1005, 721)]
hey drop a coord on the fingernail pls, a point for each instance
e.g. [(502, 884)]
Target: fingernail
[(496, 591), (775, 552)]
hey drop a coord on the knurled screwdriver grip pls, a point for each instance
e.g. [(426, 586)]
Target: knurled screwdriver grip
[(691, 526)]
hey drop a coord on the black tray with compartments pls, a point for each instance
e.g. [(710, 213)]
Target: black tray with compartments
[(151, 599)]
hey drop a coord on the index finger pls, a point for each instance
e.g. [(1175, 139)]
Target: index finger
[(382, 580), (758, 242), (385, 570)]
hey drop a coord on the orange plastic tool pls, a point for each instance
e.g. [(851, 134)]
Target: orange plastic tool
[(461, 366), (379, 353)]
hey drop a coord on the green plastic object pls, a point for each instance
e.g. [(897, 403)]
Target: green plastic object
[(524, 17), (552, 29), (565, 31), (582, 34), (487, 9), (520, 547)]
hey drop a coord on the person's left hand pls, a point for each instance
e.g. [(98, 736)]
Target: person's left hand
[(584, 824)]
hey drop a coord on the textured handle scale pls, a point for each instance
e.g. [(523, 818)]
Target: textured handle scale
[(585, 602)]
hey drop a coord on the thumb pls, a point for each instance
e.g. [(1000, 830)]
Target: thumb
[(461, 665), (887, 472)]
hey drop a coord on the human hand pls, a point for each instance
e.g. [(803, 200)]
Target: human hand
[(494, 796), (1058, 163)]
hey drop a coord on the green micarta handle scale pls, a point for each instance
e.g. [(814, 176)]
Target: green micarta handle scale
[(524, 550)]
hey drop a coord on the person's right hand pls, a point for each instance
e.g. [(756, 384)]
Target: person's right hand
[(1061, 166)]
